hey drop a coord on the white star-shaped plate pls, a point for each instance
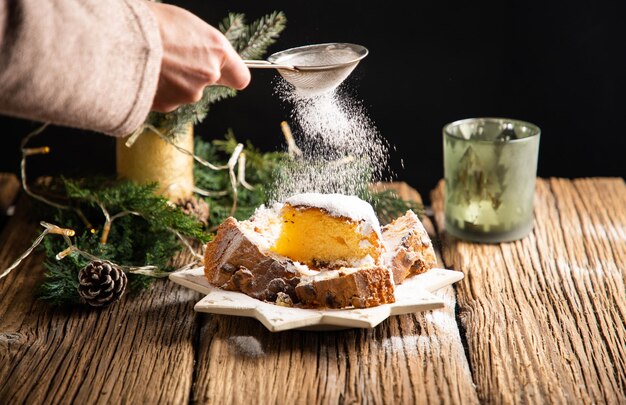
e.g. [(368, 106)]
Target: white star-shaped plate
[(415, 294)]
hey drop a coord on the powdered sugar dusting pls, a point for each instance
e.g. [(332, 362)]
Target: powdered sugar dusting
[(247, 346), (338, 205), (263, 228)]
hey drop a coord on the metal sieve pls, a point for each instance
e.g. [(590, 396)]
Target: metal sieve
[(314, 69)]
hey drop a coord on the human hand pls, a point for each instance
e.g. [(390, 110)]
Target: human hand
[(195, 55)]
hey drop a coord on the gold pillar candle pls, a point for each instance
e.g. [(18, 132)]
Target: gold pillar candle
[(151, 159)]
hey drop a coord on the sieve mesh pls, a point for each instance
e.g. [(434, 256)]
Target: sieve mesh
[(318, 68)]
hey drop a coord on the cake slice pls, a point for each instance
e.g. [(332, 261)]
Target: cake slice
[(360, 288), (408, 248), (238, 259), (315, 250)]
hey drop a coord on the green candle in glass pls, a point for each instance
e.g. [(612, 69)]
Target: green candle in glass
[(490, 167)]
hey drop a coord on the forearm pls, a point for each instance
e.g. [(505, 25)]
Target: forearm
[(84, 63)]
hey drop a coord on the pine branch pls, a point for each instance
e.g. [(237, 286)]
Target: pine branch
[(228, 144), (261, 34), (255, 159), (127, 196), (61, 285), (233, 27), (260, 168), (133, 240), (176, 122)]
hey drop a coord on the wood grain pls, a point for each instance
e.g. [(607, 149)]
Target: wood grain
[(408, 359), (139, 350), (545, 317)]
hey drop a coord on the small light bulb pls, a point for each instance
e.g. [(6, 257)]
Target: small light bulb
[(36, 151), (62, 231)]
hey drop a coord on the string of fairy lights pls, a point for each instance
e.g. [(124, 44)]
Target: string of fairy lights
[(236, 161)]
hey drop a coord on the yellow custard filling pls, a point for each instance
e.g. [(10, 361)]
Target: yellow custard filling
[(313, 237)]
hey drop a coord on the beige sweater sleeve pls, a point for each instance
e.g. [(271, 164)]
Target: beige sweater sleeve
[(91, 64)]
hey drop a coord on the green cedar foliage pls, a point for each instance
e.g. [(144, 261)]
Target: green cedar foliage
[(260, 169), (389, 206), (118, 196)]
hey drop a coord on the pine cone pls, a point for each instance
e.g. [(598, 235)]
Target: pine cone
[(196, 207), (101, 283)]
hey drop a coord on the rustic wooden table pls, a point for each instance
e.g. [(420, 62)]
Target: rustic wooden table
[(540, 320)]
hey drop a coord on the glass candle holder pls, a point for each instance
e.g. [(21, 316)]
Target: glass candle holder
[(490, 168)]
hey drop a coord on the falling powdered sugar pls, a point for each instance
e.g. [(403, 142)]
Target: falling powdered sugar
[(342, 151)]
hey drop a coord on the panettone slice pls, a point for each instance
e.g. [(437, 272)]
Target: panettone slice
[(408, 248), (360, 288), (238, 259)]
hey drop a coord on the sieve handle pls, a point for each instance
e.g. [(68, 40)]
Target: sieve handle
[(263, 64)]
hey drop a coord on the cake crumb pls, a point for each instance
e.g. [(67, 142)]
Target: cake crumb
[(283, 300)]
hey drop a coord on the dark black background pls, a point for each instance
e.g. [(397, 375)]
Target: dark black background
[(560, 65)]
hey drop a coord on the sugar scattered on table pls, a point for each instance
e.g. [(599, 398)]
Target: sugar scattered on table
[(408, 344), (247, 346)]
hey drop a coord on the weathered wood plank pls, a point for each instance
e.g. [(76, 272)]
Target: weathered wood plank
[(408, 359), (545, 317), (139, 350)]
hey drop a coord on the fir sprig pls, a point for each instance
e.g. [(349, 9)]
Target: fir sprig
[(389, 206), (119, 196), (61, 285), (233, 27), (176, 122), (261, 34), (146, 239), (260, 169)]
